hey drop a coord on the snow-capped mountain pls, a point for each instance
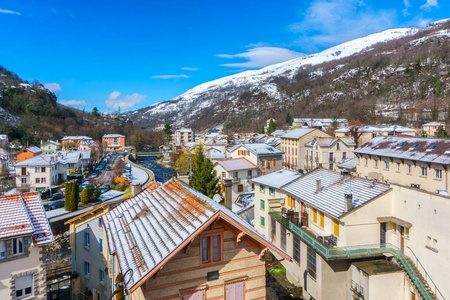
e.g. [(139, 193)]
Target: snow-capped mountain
[(222, 94)]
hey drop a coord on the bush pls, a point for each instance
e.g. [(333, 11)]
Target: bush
[(85, 196), (71, 196), (121, 186)]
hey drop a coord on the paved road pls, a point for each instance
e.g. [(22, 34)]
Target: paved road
[(105, 176)]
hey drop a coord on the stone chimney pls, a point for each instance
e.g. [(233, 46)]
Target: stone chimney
[(318, 185), (348, 202), (136, 189), (345, 174), (227, 183)]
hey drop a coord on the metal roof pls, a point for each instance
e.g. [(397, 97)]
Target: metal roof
[(297, 133), (331, 198), (278, 179), (112, 136), (259, 149), (429, 150), (40, 160), (329, 141), (236, 164), (76, 137), (349, 164), (145, 231), (23, 214), (379, 128)]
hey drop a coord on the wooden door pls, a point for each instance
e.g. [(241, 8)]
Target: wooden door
[(235, 291)]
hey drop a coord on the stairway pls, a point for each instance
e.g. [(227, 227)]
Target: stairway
[(420, 277)]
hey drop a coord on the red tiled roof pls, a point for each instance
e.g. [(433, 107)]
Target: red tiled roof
[(23, 214)]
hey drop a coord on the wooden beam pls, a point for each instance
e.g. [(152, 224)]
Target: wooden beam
[(229, 228), (186, 249), (157, 274), (239, 237), (261, 254)]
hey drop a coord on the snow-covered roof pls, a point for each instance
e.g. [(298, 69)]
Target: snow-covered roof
[(278, 132), (379, 128), (277, 179), (32, 149), (144, 232), (329, 141), (297, 133), (184, 130), (236, 164), (75, 137), (331, 198), (52, 142), (429, 150), (259, 149), (40, 160), (23, 214), (3, 152), (112, 136), (217, 155), (214, 142), (319, 120), (243, 202), (434, 124), (349, 164)]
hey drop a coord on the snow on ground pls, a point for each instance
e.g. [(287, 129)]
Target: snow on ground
[(56, 212), (110, 194), (11, 192), (138, 175)]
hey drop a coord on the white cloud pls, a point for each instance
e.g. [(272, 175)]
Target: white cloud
[(429, 4), (407, 6), (327, 23), (115, 101), (424, 22), (261, 57), (170, 76), (11, 12), (190, 69), (53, 86), (74, 103)]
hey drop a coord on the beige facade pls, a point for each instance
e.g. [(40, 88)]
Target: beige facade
[(266, 163), (327, 152), (39, 173), (241, 179), (430, 128), (183, 136), (50, 147), (294, 150)]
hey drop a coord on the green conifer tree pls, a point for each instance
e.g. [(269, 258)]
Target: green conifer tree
[(289, 119), (85, 196), (204, 177), (271, 127)]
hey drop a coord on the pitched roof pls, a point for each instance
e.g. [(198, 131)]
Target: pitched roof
[(51, 142), (260, 149), (297, 133), (379, 128), (329, 141), (434, 124), (331, 198), (33, 149), (235, 164), (277, 179), (146, 233), (349, 164), (23, 214), (76, 137), (429, 150), (113, 135), (40, 160)]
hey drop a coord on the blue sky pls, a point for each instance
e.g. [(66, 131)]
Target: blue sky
[(131, 54)]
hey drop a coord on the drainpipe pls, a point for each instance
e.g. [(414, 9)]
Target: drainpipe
[(446, 179)]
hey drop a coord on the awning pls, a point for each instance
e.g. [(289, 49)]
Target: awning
[(395, 221)]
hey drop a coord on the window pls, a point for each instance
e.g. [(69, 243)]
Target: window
[(274, 162), (263, 222), (262, 188), (267, 163), (337, 146), (211, 247), (101, 275), (86, 268), (409, 168), (240, 188), (296, 249), (336, 227), (283, 238), (87, 242), (438, 173), (100, 222), (321, 219), (311, 262), (314, 215), (24, 180), (43, 180), (386, 164), (273, 227), (424, 171), (2, 249), (38, 180), (344, 155), (263, 204), (24, 286), (43, 170), (367, 161), (249, 174), (375, 163), (36, 170), (18, 246), (100, 245), (271, 191), (398, 167)]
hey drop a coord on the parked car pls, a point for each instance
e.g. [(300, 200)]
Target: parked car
[(6, 178), (55, 196), (103, 189), (57, 204), (108, 168), (47, 207)]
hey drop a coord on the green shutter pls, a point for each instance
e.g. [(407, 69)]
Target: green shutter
[(263, 221), (263, 204)]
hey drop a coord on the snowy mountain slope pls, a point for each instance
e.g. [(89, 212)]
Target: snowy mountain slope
[(211, 95)]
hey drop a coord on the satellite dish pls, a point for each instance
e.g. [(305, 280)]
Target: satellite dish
[(217, 198)]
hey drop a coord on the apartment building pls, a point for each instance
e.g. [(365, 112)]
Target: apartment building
[(40, 172), (28, 153), (430, 128), (369, 132), (327, 152), (113, 142), (183, 136), (292, 144), (421, 163), (268, 159), (180, 243), (240, 170), (24, 234), (50, 147), (72, 142)]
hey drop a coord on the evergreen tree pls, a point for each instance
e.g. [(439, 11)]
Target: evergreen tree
[(262, 130), (68, 197), (441, 133), (167, 130), (95, 112), (5, 171), (289, 119), (204, 177), (271, 127), (85, 196), (76, 193)]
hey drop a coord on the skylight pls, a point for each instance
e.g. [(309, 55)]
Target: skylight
[(433, 147), (402, 144)]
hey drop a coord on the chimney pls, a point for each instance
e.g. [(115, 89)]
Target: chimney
[(348, 202), (227, 183), (345, 174), (136, 189), (318, 185)]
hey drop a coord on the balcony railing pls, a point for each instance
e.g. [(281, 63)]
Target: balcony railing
[(236, 180), (357, 251), (23, 174)]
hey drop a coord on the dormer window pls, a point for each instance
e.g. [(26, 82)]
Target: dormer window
[(432, 148)]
